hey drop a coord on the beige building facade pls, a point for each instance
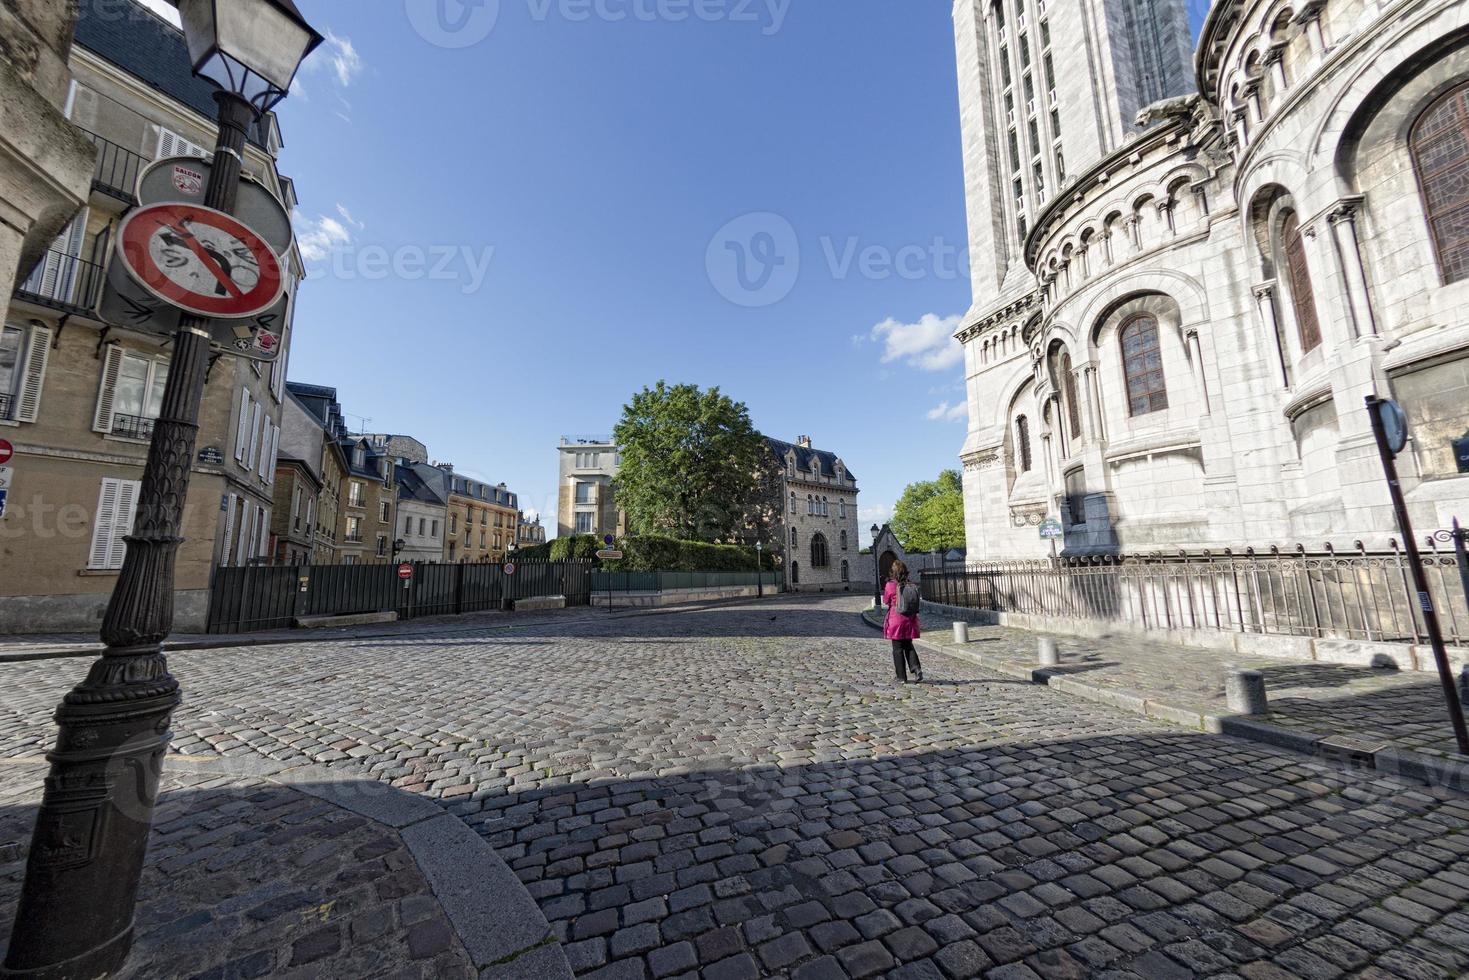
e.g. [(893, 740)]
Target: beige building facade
[(1175, 351), (83, 393), (586, 500), (819, 525)]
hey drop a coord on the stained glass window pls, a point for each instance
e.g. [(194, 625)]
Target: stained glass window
[(1303, 297), (1022, 443), (1142, 365), (1440, 144)]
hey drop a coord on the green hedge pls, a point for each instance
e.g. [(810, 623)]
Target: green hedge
[(649, 553)]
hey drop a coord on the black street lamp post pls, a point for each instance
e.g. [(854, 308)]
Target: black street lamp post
[(75, 917), (876, 570)]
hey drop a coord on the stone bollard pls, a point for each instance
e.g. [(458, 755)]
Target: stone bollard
[(961, 632), (1245, 692), (1050, 655)]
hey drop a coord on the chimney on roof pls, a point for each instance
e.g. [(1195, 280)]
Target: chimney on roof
[(446, 467), (804, 442)]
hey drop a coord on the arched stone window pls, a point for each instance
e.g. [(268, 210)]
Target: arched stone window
[(1142, 365), (793, 538), (1303, 297), (846, 571), (795, 572), (1440, 146), (1022, 443), (793, 501), (819, 556), (844, 540)]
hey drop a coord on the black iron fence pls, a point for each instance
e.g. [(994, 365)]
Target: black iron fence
[(251, 598), (1358, 595)]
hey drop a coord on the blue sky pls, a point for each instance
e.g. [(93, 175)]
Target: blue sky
[(515, 221)]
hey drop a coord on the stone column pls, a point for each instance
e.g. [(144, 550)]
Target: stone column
[(1196, 354), (1310, 17), (1241, 129), (1275, 65), (1252, 100), (1343, 221), (1265, 303), (1093, 396), (1165, 217)]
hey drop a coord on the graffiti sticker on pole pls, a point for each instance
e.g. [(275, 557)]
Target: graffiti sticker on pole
[(200, 260)]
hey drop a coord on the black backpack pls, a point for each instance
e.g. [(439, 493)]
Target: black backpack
[(910, 600)]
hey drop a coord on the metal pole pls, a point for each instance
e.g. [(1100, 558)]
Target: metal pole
[(1420, 580), (1461, 540), (75, 917)]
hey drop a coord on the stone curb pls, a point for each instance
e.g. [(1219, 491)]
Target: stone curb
[(501, 926), (1386, 758), (314, 636)]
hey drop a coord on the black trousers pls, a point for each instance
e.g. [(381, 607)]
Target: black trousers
[(905, 658)]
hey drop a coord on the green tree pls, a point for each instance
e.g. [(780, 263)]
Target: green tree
[(930, 515), (689, 463)]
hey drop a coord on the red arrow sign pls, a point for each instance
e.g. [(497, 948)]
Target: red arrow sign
[(200, 260)]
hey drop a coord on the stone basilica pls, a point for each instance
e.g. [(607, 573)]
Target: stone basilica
[(1190, 268)]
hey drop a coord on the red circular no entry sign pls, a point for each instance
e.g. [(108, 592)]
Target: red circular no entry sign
[(201, 260), (405, 570), (6, 451)]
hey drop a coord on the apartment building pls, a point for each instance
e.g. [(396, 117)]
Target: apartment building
[(78, 396), (586, 501), (480, 519), (529, 533), (422, 515), (369, 508), (313, 428)]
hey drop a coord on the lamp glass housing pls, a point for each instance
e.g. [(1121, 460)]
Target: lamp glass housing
[(252, 48)]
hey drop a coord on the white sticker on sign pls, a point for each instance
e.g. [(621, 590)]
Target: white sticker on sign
[(6, 475)]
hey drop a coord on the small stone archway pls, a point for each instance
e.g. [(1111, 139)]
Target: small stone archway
[(885, 566)]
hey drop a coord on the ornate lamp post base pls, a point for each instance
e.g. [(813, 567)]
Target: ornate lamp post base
[(91, 833)]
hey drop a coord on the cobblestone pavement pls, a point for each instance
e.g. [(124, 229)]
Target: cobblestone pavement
[(1366, 704), (248, 879), (742, 792)]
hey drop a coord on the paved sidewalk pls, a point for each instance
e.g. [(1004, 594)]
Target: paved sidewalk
[(303, 873), (1397, 717)]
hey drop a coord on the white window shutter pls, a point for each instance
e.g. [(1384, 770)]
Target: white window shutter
[(116, 506), (247, 517), (127, 509), (251, 457), (267, 459), (242, 428), (229, 530), (111, 365), (102, 524), (171, 144), (37, 352)]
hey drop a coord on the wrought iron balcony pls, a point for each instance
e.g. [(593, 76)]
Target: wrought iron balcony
[(67, 282), (116, 173), (7, 407), (132, 427)]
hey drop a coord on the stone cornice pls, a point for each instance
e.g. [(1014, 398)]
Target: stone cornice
[(1017, 307)]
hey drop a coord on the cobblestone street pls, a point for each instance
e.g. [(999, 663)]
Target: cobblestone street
[(741, 792)]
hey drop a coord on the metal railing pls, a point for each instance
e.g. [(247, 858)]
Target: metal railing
[(1355, 595), (7, 407), (246, 599), (67, 282), (132, 426), (117, 168), (669, 581)]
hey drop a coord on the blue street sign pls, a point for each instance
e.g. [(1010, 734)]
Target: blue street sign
[(4, 494)]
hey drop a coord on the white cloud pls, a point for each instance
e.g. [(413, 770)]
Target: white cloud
[(944, 412), (347, 216), (927, 345), (342, 55), (163, 9), (318, 237)]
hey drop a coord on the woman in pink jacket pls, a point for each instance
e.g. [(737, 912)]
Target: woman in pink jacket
[(901, 628)]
